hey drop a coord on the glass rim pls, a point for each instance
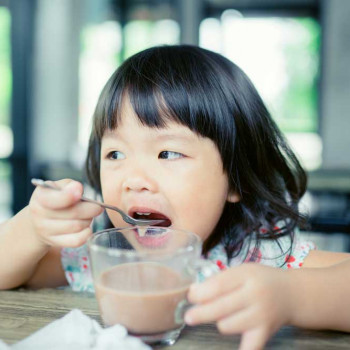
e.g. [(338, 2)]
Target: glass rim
[(118, 252)]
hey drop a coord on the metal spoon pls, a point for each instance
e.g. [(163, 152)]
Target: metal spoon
[(128, 219)]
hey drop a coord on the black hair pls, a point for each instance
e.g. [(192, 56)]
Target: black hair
[(214, 98)]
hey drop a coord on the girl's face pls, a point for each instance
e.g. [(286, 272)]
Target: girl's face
[(171, 173)]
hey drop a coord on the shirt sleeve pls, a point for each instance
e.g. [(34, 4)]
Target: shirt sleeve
[(76, 266), (300, 250), (284, 252)]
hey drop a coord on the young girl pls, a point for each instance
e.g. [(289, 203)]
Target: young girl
[(180, 133)]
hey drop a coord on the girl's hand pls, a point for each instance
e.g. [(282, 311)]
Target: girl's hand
[(59, 218), (251, 299)]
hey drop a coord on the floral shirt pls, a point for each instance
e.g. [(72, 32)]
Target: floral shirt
[(275, 253)]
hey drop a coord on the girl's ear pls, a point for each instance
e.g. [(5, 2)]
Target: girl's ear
[(233, 197)]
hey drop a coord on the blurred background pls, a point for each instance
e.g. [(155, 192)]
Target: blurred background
[(56, 55)]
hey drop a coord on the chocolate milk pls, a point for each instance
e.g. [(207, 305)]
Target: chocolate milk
[(141, 296)]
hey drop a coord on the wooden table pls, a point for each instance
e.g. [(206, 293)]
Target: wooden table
[(22, 312)]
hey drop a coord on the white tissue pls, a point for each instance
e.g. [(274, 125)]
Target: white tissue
[(78, 331)]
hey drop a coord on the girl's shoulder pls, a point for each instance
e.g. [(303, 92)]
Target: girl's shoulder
[(284, 252)]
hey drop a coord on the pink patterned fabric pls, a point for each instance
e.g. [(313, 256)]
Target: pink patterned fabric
[(275, 253)]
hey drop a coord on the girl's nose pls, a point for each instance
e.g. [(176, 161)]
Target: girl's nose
[(139, 181)]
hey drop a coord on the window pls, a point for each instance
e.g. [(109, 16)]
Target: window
[(281, 56), (6, 143), (101, 53)]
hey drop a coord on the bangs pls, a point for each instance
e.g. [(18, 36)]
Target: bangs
[(169, 88)]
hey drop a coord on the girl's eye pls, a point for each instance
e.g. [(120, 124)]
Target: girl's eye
[(170, 155), (115, 155)]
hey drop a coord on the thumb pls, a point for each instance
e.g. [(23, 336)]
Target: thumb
[(254, 339), (70, 193), (75, 189)]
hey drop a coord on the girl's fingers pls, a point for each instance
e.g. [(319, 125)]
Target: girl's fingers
[(72, 240), (217, 309), (238, 322), (70, 193), (217, 285), (255, 338), (81, 210), (61, 227)]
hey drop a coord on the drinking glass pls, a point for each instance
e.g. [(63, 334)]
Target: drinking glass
[(142, 276)]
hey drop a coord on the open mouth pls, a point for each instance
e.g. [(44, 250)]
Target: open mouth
[(146, 236), (149, 215)]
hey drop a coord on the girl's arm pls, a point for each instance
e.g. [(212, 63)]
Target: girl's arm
[(319, 258), (20, 250), (30, 242), (321, 295), (49, 272)]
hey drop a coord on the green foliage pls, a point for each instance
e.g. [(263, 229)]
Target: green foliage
[(298, 103), (5, 66), (5, 170), (138, 36)]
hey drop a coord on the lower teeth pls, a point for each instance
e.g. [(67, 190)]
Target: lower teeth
[(142, 231)]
